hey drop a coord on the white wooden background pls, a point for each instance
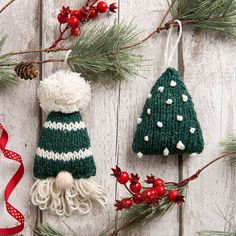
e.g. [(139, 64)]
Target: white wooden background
[(207, 62)]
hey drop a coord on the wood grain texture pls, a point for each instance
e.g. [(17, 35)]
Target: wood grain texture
[(208, 65), (19, 111), (209, 72), (101, 122), (133, 95)]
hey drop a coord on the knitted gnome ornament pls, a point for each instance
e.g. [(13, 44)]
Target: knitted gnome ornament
[(64, 166), (168, 124)]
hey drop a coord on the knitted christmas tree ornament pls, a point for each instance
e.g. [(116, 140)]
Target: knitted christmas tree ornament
[(64, 166), (168, 124)]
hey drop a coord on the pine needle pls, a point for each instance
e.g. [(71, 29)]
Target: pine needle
[(218, 15), (229, 145), (46, 230), (96, 53), (7, 76)]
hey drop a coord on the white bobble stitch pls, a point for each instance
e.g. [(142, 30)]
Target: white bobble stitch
[(139, 120), (166, 152), (184, 98), (169, 101), (179, 118), (180, 145), (193, 154), (192, 130), (173, 83), (161, 89), (140, 155), (159, 124), (146, 138), (148, 111), (149, 95)]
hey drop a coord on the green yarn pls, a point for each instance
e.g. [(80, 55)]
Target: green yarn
[(64, 145), (172, 131), (69, 140), (64, 118), (83, 168)]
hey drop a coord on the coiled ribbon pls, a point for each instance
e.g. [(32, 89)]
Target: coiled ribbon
[(11, 185)]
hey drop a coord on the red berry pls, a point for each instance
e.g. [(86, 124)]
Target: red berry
[(126, 203), (113, 7), (137, 198), (123, 177), (81, 14), (102, 7), (75, 13), (154, 193), (158, 182), (73, 21), (173, 194), (75, 31), (147, 195), (62, 18), (135, 188), (93, 13), (161, 190)]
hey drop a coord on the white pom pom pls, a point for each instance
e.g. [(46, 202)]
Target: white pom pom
[(64, 91), (64, 180)]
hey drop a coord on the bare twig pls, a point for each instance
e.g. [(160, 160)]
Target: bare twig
[(56, 49), (7, 5)]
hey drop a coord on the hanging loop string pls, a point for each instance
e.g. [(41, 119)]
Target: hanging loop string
[(168, 58), (67, 56)]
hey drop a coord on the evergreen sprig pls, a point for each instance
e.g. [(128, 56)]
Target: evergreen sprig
[(46, 230), (96, 54), (229, 145), (7, 77), (218, 15)]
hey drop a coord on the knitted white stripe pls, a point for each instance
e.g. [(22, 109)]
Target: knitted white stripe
[(62, 126), (64, 156)]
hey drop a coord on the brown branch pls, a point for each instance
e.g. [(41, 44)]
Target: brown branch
[(181, 184), (56, 49), (194, 176), (46, 61), (7, 5)]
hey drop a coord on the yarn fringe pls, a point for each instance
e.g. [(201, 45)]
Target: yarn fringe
[(80, 197)]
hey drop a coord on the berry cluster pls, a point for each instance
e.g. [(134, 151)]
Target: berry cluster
[(73, 19), (150, 195)]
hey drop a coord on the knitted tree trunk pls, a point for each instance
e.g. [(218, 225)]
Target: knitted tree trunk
[(64, 166), (168, 124)]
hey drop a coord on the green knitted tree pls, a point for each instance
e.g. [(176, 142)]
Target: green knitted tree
[(168, 124)]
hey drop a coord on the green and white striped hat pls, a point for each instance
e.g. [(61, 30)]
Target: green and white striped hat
[(64, 145), (64, 166)]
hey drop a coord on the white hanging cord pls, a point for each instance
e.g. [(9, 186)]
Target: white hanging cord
[(169, 58), (67, 56)]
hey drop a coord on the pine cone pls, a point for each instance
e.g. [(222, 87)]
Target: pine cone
[(26, 70)]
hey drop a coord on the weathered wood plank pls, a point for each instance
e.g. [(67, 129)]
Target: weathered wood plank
[(101, 122), (19, 110), (209, 72), (133, 94)]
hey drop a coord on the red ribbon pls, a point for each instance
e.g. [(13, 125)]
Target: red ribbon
[(11, 185)]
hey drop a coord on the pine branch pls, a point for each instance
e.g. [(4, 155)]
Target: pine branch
[(96, 54), (7, 76), (217, 15), (228, 145), (46, 230)]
